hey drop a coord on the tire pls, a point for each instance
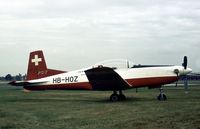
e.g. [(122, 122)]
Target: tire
[(114, 97), (162, 97)]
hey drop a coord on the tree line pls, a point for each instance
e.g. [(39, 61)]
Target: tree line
[(10, 77)]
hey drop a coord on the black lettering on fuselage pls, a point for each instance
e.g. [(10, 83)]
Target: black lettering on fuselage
[(66, 79), (57, 80), (75, 78), (54, 80)]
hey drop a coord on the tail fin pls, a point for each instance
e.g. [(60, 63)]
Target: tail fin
[(37, 67)]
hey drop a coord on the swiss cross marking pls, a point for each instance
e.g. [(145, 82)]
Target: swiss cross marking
[(36, 60)]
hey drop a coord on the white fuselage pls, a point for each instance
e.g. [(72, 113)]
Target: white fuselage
[(135, 77)]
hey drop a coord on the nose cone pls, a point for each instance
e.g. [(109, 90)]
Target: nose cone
[(181, 71), (188, 70)]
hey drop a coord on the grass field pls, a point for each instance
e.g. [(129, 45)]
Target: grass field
[(92, 109)]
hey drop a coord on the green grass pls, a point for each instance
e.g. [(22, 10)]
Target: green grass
[(92, 109)]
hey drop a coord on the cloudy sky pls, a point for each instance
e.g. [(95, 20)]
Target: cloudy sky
[(78, 33)]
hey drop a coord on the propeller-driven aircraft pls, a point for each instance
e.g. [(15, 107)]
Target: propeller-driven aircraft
[(99, 77)]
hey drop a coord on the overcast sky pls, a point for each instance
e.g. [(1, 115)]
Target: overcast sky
[(78, 33)]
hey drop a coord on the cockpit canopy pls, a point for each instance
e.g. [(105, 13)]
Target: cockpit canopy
[(123, 64), (115, 64)]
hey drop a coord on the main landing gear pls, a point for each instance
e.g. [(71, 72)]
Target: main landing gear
[(120, 97), (117, 97), (162, 96)]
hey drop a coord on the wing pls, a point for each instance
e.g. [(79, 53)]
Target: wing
[(105, 78)]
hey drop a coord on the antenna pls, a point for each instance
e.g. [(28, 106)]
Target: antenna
[(127, 62)]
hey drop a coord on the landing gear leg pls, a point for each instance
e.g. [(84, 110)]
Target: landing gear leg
[(162, 96), (121, 96)]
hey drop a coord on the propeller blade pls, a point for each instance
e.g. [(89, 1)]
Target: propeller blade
[(185, 84), (185, 62), (185, 79)]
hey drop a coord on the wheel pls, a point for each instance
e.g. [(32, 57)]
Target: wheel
[(122, 97), (162, 97), (114, 97)]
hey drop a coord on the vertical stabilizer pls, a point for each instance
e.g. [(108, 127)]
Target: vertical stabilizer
[(37, 67)]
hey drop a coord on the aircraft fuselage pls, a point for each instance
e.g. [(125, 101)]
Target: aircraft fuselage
[(135, 78)]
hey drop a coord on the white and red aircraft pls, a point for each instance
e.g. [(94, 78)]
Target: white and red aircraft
[(100, 78)]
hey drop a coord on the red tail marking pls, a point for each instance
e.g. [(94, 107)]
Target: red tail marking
[(37, 67)]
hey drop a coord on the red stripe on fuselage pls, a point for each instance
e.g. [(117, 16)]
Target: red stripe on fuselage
[(69, 86), (136, 83), (152, 81)]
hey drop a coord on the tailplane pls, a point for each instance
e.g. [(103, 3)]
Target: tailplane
[(37, 67)]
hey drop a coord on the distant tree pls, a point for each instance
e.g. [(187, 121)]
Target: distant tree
[(24, 77), (2, 78), (18, 77), (8, 77)]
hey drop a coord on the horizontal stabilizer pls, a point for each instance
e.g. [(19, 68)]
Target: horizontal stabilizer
[(25, 83)]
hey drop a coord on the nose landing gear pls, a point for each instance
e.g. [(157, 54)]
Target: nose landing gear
[(161, 96)]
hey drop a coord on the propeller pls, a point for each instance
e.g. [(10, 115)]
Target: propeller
[(184, 77), (185, 61)]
